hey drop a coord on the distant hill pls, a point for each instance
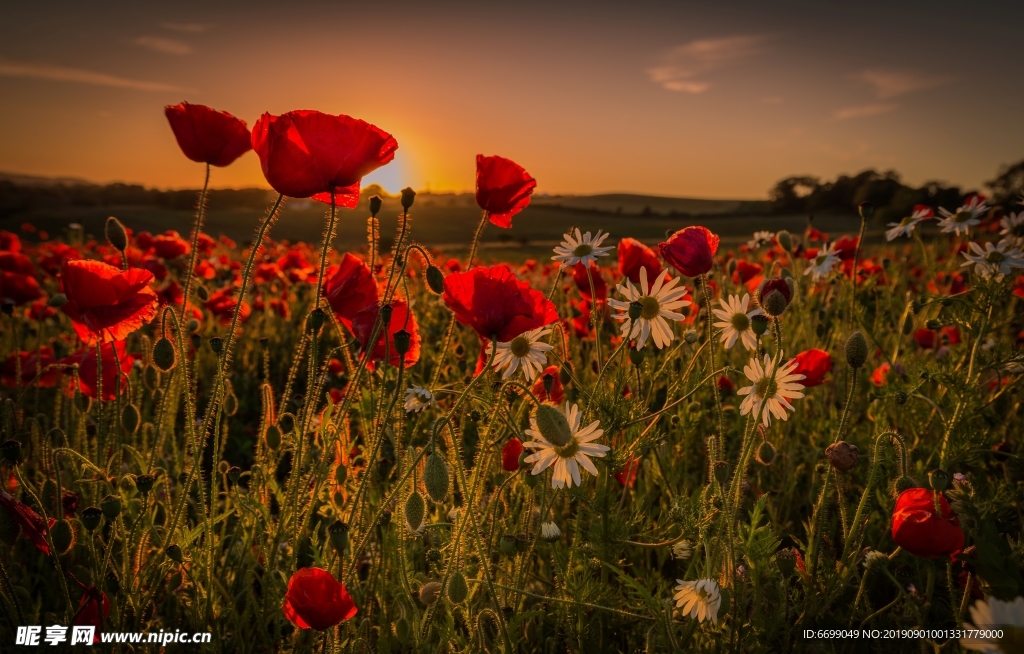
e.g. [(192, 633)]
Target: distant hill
[(34, 180)]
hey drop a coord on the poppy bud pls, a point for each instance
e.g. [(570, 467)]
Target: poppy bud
[(408, 197), (203, 293), (130, 418), (842, 455), (63, 535), (192, 326), (415, 509), (375, 203), (91, 516), (403, 340), (552, 424), (402, 629), (766, 453), (435, 279), (856, 350), (938, 479), (636, 356), (338, 532), (691, 336), (340, 474), (234, 474), (458, 590), (435, 477), (866, 210), (635, 310), (316, 319), (773, 296), (731, 266), (434, 556), (197, 340), (57, 301), (173, 552), (903, 484), (785, 561), (116, 234), (145, 483), (721, 469), (273, 437), (507, 545), (429, 592), (111, 583), (759, 324), (111, 506), (11, 450), (785, 240), (875, 560), (164, 355)]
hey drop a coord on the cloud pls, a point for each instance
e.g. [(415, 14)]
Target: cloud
[(191, 28), (62, 74), (862, 111), (684, 64), (892, 83), (166, 46)]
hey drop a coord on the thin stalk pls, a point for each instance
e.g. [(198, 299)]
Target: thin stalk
[(711, 353), (190, 273)]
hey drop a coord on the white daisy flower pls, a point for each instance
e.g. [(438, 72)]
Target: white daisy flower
[(699, 599), (580, 248), (523, 351), (561, 445), (658, 305), (1013, 227), (550, 532), (417, 398), (682, 550), (776, 392), (823, 263), (994, 260), (760, 239), (965, 217), (990, 617), (907, 226), (735, 321)]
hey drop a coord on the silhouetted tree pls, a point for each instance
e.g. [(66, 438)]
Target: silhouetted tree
[(1008, 186)]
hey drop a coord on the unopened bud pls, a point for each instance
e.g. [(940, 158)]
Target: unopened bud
[(458, 590), (766, 453), (429, 592), (635, 310), (785, 240), (636, 356), (721, 469), (11, 450), (408, 197), (866, 210), (435, 477), (435, 279), (403, 340), (216, 344), (57, 301), (91, 517), (552, 424), (375, 203), (338, 533), (316, 319), (842, 455), (415, 509), (938, 479), (116, 234), (856, 350), (173, 552), (164, 356)]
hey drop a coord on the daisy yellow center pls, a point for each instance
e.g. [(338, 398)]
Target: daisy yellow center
[(740, 322), (820, 259), (568, 450), (766, 387), (962, 216), (906, 221), (520, 346), (652, 308), (703, 594), (582, 250), (995, 256)]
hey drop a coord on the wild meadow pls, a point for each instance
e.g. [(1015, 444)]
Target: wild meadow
[(810, 442)]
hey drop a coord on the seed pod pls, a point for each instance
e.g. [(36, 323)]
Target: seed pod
[(435, 477), (403, 341), (507, 545), (338, 533), (130, 418), (552, 424), (408, 197), (691, 336), (938, 479), (636, 357), (842, 455), (63, 535), (565, 374), (785, 240), (375, 203), (635, 310), (234, 473), (785, 560), (164, 356), (457, 588), (316, 319), (429, 592), (216, 344), (435, 279), (759, 324), (91, 516), (721, 469), (415, 509), (856, 350), (116, 234), (111, 506), (144, 483), (900, 397)]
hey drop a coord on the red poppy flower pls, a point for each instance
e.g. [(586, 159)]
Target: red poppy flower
[(32, 524), (691, 250), (222, 304), (312, 154), (316, 600), (726, 386), (1018, 287), (813, 364), (579, 275), (510, 454), (112, 354), (32, 363), (401, 318), (9, 242), (496, 304), (16, 262), (295, 265), (846, 247), (18, 289), (93, 610), (453, 265), (503, 189), (919, 529), (105, 303), (745, 271), (634, 255), (350, 288), (627, 475), (170, 245), (52, 256), (557, 395), (206, 135), (878, 377)]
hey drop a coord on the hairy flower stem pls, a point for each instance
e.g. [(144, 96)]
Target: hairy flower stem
[(68, 607), (196, 229), (474, 246), (853, 280), (711, 353), (595, 319), (852, 535), (957, 411)]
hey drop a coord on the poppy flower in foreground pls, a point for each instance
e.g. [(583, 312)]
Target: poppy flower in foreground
[(402, 318), (503, 189), (813, 364), (112, 354), (105, 303), (634, 255), (919, 529), (496, 304), (350, 288), (510, 454), (32, 524), (691, 250), (312, 154), (316, 600), (206, 135)]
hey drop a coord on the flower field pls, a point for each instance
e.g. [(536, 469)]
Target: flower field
[(654, 447)]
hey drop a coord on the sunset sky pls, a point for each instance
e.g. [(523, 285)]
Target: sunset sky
[(664, 98)]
